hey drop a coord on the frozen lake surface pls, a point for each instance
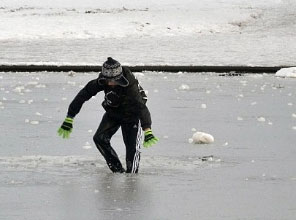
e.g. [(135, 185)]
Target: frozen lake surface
[(247, 173), (250, 175)]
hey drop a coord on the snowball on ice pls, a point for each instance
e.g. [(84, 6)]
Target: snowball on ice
[(87, 146), (240, 118), (286, 72), (201, 138), (184, 87), (204, 106), (261, 119), (34, 122), (225, 144)]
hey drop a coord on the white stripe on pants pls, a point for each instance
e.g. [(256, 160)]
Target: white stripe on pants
[(136, 159)]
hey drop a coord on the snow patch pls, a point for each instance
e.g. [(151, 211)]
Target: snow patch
[(139, 74), (225, 144), (87, 146), (40, 86), (184, 87), (240, 118), (261, 119), (203, 106), (34, 122), (286, 72), (19, 89)]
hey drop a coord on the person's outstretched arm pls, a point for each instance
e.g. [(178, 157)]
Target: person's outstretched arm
[(91, 89)]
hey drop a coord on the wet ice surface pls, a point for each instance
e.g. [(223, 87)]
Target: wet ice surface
[(247, 173)]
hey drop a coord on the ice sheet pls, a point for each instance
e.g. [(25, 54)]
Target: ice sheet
[(45, 177)]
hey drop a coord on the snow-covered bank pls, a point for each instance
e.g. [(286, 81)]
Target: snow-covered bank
[(163, 32), (287, 72), (117, 19)]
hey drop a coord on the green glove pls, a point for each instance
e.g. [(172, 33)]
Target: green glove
[(149, 139), (66, 128)]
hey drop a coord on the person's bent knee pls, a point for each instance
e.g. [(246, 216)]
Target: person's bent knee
[(101, 139)]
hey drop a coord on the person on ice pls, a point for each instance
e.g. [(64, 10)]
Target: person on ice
[(125, 106)]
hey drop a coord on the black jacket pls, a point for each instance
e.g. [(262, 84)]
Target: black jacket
[(126, 104)]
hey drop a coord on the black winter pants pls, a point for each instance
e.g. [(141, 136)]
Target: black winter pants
[(132, 137)]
